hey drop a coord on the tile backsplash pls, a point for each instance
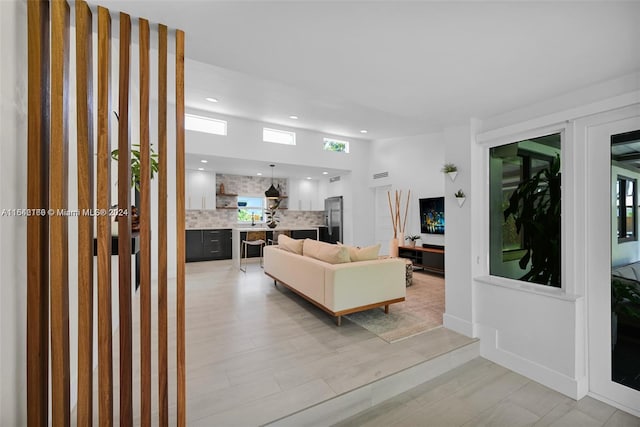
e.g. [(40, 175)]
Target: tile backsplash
[(227, 218), (250, 186)]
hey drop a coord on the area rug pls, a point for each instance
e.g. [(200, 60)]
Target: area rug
[(420, 312)]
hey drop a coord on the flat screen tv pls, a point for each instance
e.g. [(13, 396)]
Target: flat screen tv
[(432, 215)]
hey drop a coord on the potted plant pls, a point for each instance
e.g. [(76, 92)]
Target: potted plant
[(135, 161), (460, 197), (451, 170), (271, 217), (535, 206), (625, 303), (135, 175), (412, 240)]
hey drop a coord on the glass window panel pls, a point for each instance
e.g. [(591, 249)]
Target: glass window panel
[(525, 198), (625, 289)]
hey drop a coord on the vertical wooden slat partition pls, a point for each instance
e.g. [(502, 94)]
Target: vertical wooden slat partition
[(48, 234), (38, 225), (163, 387), (145, 228), (105, 333), (58, 201), (180, 241), (124, 225), (84, 97)]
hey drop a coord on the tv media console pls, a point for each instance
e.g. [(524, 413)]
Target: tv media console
[(428, 257)]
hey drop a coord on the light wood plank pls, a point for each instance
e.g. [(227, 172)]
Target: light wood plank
[(124, 224), (85, 149), (58, 200), (163, 389), (105, 344), (145, 228), (38, 225), (180, 227)]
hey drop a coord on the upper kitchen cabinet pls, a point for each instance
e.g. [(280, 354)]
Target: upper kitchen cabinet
[(200, 190), (304, 195)]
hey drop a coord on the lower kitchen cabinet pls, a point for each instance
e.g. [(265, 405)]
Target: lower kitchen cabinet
[(208, 245)]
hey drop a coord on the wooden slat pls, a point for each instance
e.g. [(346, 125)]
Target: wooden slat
[(37, 255), (180, 226), (84, 97), (105, 345), (58, 200), (163, 388), (124, 224), (145, 229)]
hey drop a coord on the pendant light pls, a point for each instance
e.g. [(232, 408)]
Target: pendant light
[(272, 192)]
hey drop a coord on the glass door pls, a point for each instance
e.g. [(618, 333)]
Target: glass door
[(614, 278), (625, 262)]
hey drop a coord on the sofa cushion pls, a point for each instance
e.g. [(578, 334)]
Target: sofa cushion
[(368, 253), (290, 245), (327, 252)]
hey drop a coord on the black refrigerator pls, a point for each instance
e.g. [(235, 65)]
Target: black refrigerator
[(332, 231)]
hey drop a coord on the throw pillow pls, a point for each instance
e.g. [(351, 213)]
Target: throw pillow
[(290, 245), (364, 254), (333, 254)]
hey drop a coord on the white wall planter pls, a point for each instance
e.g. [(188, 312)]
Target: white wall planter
[(461, 200), (452, 175)]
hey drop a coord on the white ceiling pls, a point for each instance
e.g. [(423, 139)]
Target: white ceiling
[(394, 68), (251, 168)]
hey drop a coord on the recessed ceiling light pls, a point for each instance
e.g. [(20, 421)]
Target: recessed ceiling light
[(259, 174), (212, 99), (308, 177), (293, 117), (200, 169), (325, 173), (204, 161), (363, 131)]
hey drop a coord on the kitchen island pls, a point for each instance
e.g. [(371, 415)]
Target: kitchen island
[(239, 234)]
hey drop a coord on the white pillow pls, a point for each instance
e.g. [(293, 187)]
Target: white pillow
[(290, 245), (333, 254), (364, 254)]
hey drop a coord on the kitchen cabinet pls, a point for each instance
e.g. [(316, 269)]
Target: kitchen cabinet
[(208, 245), (305, 234), (200, 189), (304, 195)]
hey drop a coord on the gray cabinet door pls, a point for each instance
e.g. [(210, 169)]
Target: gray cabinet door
[(194, 249)]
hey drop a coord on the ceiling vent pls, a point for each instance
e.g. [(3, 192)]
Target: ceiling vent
[(334, 179), (380, 175)]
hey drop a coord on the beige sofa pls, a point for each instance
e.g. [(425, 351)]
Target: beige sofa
[(338, 289)]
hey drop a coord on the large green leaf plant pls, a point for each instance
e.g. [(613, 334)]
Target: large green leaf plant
[(535, 208)]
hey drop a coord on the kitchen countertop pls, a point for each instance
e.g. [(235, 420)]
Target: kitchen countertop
[(259, 228)]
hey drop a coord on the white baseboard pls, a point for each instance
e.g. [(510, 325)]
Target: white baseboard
[(489, 349), (458, 325)]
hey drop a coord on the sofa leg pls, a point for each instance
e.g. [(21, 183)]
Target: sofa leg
[(275, 282), (338, 320), (386, 309)]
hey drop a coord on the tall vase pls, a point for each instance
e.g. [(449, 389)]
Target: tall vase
[(393, 248)]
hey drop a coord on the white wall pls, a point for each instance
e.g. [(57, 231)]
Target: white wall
[(535, 330), (244, 141), (414, 163), (458, 237), (13, 194)]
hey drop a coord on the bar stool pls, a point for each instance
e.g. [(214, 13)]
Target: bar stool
[(253, 238)]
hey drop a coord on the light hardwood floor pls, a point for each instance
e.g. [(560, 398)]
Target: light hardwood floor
[(481, 393), (256, 353)]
